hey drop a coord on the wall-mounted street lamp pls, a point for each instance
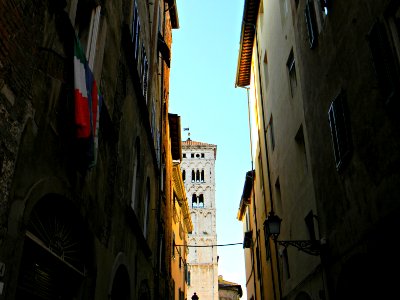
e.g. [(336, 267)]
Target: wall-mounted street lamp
[(272, 228)]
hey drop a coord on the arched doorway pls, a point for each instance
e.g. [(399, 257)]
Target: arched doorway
[(55, 254), (120, 288), (303, 296)]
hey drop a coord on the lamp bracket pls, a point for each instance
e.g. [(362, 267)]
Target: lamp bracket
[(312, 247)]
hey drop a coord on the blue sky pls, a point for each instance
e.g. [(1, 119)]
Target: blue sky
[(202, 91)]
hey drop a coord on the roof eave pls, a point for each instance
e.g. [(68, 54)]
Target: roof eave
[(249, 20)]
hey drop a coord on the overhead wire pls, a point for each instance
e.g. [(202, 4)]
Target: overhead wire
[(219, 245)]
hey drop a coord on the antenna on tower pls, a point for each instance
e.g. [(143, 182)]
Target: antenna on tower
[(187, 129)]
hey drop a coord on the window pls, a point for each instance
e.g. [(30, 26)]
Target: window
[(267, 245), (278, 196), (197, 176), (340, 130), (194, 201), (291, 67), (299, 138), (93, 34), (201, 201), (173, 245), (247, 239), (202, 155), (146, 208), (385, 51), (271, 133), (160, 21), (136, 31), (87, 17), (311, 23), (284, 9), (197, 155), (135, 175), (285, 261), (184, 155), (266, 72), (192, 155), (258, 262), (325, 6), (309, 219), (153, 121), (144, 69), (193, 176), (202, 176), (184, 175)]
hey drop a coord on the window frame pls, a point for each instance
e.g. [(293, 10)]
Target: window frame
[(291, 68), (338, 116), (384, 44), (311, 23)]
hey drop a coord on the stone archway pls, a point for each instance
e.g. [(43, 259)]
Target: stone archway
[(56, 252)]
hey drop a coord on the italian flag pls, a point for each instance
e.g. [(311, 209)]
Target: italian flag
[(88, 102)]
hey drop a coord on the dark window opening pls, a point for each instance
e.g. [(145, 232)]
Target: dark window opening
[(271, 133), (309, 219), (173, 245), (340, 130), (291, 67), (384, 61), (258, 262), (202, 176), (135, 31), (194, 201), (311, 23), (286, 269), (201, 200), (299, 138)]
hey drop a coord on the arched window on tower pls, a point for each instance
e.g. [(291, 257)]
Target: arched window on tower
[(201, 200), (193, 176), (194, 201), (197, 176), (184, 175), (202, 176)]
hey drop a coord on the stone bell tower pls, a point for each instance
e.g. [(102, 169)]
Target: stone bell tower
[(198, 172)]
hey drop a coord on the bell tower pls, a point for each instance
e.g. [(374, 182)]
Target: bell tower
[(198, 172)]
